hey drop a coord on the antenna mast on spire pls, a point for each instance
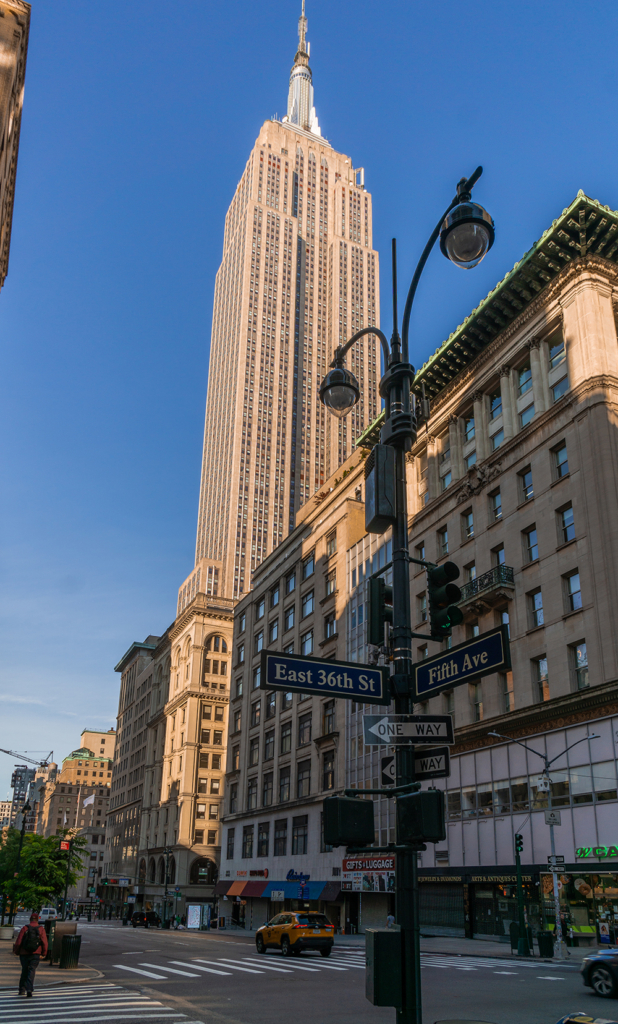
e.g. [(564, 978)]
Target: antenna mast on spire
[(302, 30)]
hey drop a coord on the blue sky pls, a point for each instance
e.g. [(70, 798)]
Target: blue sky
[(138, 119)]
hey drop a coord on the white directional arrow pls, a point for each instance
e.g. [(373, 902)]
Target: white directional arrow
[(395, 729)]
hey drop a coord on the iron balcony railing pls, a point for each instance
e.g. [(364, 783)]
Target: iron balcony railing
[(499, 574)]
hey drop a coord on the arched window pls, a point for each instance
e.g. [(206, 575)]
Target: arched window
[(141, 874), (216, 643), (151, 870), (171, 874), (203, 872), (161, 871)]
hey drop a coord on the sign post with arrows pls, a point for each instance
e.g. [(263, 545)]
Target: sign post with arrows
[(404, 729)]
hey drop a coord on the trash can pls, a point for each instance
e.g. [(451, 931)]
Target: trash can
[(546, 944), (69, 955)]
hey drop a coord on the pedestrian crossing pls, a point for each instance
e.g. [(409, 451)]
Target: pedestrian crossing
[(77, 1004), (240, 965), (472, 963)]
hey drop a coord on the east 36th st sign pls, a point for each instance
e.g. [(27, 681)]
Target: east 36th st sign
[(302, 674)]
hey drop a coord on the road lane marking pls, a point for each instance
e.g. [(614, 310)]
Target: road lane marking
[(265, 967), (216, 963), (506, 972), (136, 970), (548, 977), (172, 970), (292, 967), (207, 970)]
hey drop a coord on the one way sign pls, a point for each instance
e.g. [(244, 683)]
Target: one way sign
[(428, 764), (396, 729)]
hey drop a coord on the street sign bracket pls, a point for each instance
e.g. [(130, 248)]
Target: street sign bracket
[(410, 787)]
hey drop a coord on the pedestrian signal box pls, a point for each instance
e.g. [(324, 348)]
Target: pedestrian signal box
[(348, 821), (421, 817), (383, 971)]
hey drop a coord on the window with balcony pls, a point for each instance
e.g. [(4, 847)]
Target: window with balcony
[(263, 838), (531, 544), (498, 556), (580, 664), (541, 680), (561, 462), (535, 608), (566, 525), (286, 738), (573, 592)]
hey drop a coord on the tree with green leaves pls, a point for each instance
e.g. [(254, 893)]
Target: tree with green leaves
[(39, 875)]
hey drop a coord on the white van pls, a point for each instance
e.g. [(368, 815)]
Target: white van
[(47, 914)]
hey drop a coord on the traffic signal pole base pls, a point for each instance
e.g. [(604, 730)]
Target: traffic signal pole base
[(523, 949)]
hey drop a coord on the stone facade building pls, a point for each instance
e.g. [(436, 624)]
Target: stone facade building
[(14, 30)]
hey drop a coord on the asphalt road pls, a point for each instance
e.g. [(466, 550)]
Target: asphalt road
[(195, 978)]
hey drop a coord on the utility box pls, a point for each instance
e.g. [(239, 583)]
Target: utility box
[(380, 510), (383, 971), (348, 821), (421, 817)]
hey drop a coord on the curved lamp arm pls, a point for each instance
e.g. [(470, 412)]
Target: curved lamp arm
[(342, 349)]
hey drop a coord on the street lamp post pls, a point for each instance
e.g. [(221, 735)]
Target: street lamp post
[(547, 762), (466, 234), (25, 810)]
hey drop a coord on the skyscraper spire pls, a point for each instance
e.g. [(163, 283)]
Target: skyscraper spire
[(301, 110)]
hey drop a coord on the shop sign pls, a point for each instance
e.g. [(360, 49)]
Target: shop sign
[(131, 899), (241, 874), (259, 873), (499, 879), (596, 851), (368, 874), (123, 882), (296, 876), (300, 674), (277, 894), (441, 878)]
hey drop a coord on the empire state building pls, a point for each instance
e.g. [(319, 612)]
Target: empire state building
[(298, 277)]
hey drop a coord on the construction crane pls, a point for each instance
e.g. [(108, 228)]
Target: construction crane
[(40, 764)]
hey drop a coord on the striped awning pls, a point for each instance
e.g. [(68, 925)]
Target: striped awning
[(291, 890)]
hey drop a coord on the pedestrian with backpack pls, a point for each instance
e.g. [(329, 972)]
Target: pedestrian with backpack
[(31, 945)]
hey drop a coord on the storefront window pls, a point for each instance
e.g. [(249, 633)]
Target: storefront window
[(580, 780), (454, 803), (484, 797), (468, 801), (502, 797), (519, 794)]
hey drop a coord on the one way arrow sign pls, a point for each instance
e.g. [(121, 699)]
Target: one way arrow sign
[(394, 729)]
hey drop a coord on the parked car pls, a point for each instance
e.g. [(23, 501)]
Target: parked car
[(146, 918), (294, 932), (600, 972), (47, 914)]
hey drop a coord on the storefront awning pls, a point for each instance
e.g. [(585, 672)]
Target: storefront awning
[(291, 890)]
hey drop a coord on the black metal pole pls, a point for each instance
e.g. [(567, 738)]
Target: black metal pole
[(523, 947), (66, 884)]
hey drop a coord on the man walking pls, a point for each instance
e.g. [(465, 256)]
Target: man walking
[(31, 945)]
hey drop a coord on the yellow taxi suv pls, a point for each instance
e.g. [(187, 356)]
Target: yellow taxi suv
[(294, 932)]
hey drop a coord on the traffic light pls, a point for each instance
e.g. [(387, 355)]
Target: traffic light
[(443, 597), (519, 843), (348, 821), (379, 610), (421, 817)]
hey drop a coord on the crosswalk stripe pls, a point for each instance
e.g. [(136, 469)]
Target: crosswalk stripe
[(114, 1004), (136, 970), (172, 970), (265, 967), (57, 1018), (292, 967), (207, 970), (247, 969), (70, 990)]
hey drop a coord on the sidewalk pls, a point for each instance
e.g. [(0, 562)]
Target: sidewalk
[(10, 970), (455, 946)]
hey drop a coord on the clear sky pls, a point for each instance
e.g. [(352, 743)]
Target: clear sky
[(138, 119)]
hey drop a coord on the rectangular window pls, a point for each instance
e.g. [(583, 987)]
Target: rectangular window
[(561, 462), (286, 701), (445, 450), (203, 761), (328, 726), (526, 415), (497, 439), (557, 353), (421, 606), (216, 762), (212, 837), (307, 604), (207, 711), (309, 566), (290, 583), (233, 798), (574, 592), (252, 790), (535, 604), (281, 838), (230, 844), (560, 388), (200, 811), (219, 713), (289, 617), (531, 544), (271, 705), (213, 811), (242, 620), (476, 695), (524, 379), (299, 834), (254, 751), (284, 784), (274, 596), (217, 738), (306, 643), (495, 405), (469, 431), (303, 779), (259, 608), (239, 687), (580, 657), (467, 525), (235, 759), (304, 730), (273, 631), (470, 459), (449, 702), (331, 544), (442, 542), (263, 837), (215, 785), (257, 676), (470, 572), (267, 790), (247, 842), (566, 525), (420, 551), (286, 738), (525, 484), (539, 669), (330, 625), (331, 583), (259, 641), (508, 695), (498, 555), (241, 654), (205, 736), (445, 481), (328, 771), (269, 745)]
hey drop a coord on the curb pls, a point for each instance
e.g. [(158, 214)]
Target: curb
[(62, 981)]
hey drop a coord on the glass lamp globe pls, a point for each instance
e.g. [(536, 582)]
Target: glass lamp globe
[(467, 235), (339, 391)]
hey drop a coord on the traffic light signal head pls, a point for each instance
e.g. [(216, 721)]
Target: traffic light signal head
[(443, 597), (379, 610), (421, 817), (519, 843), (348, 821)]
